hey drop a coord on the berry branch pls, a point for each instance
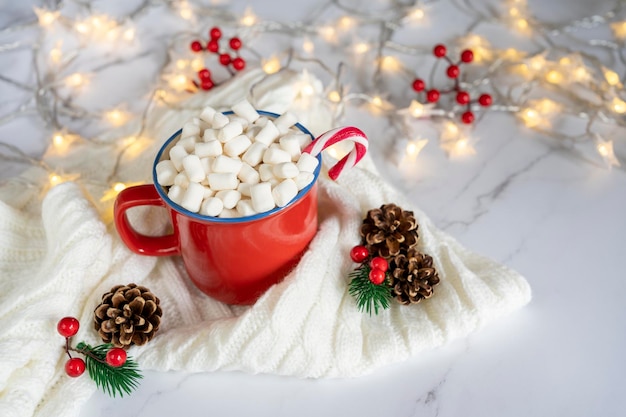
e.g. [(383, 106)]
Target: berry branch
[(108, 366), (368, 284), (453, 72), (224, 57)]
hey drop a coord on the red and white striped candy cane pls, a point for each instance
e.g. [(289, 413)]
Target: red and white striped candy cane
[(337, 135)]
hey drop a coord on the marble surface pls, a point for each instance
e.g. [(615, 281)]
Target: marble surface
[(557, 220)]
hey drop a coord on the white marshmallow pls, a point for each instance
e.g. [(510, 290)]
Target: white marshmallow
[(274, 145), (285, 170), (190, 129), (303, 179), (230, 198), (307, 162), (261, 121), (223, 163), (244, 189), (207, 114), (274, 181), (245, 110), (193, 168), (166, 172), (192, 200), (189, 143), (261, 196), (212, 206), (291, 145), (267, 135), (237, 146), (244, 123), (229, 213), (284, 192), (223, 181), (252, 131), (285, 121), (266, 172), (219, 120), (212, 148), (208, 192), (182, 180), (176, 193), (304, 140), (201, 123), (230, 131), (254, 155), (276, 156), (248, 174), (177, 153), (209, 135), (244, 208), (206, 165)]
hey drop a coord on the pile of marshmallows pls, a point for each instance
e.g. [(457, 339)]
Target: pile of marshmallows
[(237, 165)]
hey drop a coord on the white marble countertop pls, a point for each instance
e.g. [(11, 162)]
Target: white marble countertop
[(558, 221)]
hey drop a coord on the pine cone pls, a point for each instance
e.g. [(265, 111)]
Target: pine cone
[(128, 315), (388, 229), (412, 276)]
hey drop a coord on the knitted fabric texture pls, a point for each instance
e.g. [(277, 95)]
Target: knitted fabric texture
[(58, 257)]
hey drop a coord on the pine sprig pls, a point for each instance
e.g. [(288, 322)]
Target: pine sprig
[(112, 380), (367, 294)]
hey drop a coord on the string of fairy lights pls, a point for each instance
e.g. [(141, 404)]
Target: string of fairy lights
[(569, 71)]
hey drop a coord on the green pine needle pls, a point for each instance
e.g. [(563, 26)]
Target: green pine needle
[(368, 295), (112, 380)]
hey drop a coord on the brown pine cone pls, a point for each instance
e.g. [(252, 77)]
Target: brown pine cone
[(412, 276), (388, 229), (128, 315)]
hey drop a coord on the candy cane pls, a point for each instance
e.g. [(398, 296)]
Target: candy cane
[(337, 135)]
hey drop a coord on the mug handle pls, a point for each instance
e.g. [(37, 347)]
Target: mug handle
[(142, 195)]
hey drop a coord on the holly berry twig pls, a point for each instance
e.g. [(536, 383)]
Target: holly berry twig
[(368, 284), (453, 72), (108, 366)]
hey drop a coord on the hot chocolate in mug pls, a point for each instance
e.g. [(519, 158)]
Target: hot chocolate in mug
[(234, 260)]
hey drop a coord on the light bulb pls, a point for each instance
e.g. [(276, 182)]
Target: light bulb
[(249, 18), (611, 77), (271, 65), (118, 187), (554, 77), (361, 47), (76, 80), (334, 96)]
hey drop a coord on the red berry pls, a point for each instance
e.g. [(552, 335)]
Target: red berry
[(235, 43), (116, 357), (215, 33), (75, 367), (462, 97), (453, 71), (467, 117), (239, 64), (379, 263), (224, 59), (213, 46), (419, 85), (467, 56), (439, 51), (206, 84), (376, 276), (68, 326), (359, 253), (432, 95), (196, 46), (204, 74), (485, 100)]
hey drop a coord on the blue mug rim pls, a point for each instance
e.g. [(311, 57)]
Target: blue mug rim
[(258, 216)]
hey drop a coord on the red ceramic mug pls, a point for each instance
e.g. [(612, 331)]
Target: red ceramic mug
[(234, 260)]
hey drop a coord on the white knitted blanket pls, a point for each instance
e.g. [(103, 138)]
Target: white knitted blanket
[(57, 258)]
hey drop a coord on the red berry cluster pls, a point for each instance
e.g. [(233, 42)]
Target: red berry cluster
[(378, 265), (227, 60), (74, 367), (453, 71)]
